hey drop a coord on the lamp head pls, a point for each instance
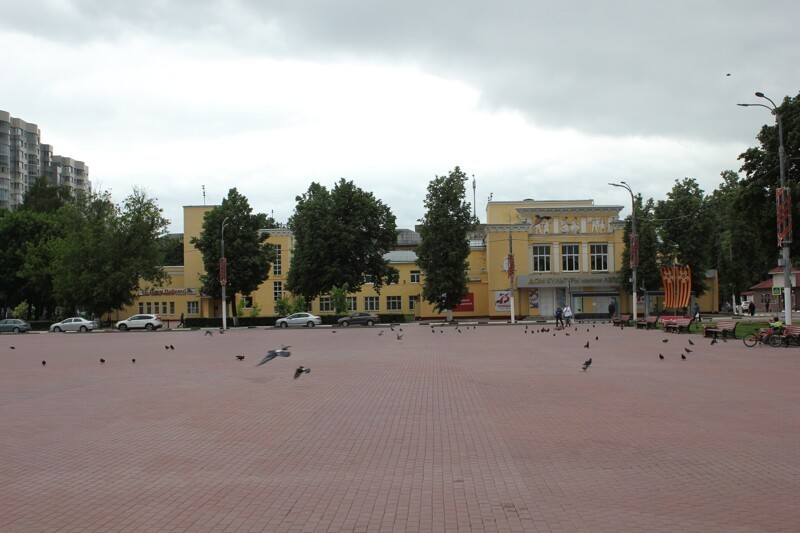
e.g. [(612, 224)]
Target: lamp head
[(760, 94)]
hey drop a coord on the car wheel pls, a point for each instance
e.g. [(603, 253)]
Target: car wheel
[(16, 330), (310, 324), (123, 327), (57, 329), (284, 324), (345, 323), (149, 327), (83, 329), (370, 322)]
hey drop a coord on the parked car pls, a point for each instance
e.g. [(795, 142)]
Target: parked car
[(14, 325), (75, 323), (148, 322), (359, 318), (299, 319)]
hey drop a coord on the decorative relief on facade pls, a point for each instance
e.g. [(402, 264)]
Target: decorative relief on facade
[(570, 227), (598, 225), (543, 227)]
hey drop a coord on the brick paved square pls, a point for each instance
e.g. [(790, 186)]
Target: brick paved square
[(487, 429)]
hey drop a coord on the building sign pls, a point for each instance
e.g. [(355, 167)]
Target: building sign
[(575, 280), (502, 301), (167, 292), (466, 304)]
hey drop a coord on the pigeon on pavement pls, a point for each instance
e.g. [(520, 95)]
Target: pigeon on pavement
[(240, 357), (272, 354), (586, 364), (660, 356), (687, 350), (102, 360), (586, 345), (690, 342), (44, 363), (683, 357)]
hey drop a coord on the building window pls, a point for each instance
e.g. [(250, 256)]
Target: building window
[(412, 302), (368, 279), (277, 290), (172, 308), (599, 257), (371, 303), (247, 302), (394, 303), (351, 303), (192, 308), (141, 308), (415, 276), (277, 267), (541, 258), (325, 303), (570, 254), (149, 307)]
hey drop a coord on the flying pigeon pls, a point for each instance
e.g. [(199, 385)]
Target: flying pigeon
[(683, 357), (102, 360), (661, 357), (209, 333), (399, 336), (272, 354), (301, 370), (221, 331), (380, 333), (240, 357), (586, 345), (713, 342), (586, 365)]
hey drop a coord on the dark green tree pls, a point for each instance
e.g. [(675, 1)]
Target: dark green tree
[(105, 251), (171, 247), (247, 251), (685, 228), (648, 276), (444, 241), (340, 237), (44, 198)]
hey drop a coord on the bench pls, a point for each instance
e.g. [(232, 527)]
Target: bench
[(790, 334), (621, 319), (725, 327), (647, 322), (678, 325)]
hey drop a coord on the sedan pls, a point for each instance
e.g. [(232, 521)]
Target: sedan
[(73, 324), (299, 319), (148, 322), (359, 318), (14, 325)]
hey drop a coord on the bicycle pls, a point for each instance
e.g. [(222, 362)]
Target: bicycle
[(765, 336)]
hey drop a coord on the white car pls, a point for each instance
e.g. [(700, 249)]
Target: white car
[(73, 324), (298, 319), (148, 322)]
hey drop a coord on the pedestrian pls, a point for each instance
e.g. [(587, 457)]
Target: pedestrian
[(696, 312), (766, 306), (612, 308), (180, 325), (558, 317), (752, 308), (568, 314)]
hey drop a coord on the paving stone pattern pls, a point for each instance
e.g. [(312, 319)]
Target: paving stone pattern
[(486, 429)]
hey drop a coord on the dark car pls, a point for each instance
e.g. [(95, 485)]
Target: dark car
[(366, 319), (14, 325)]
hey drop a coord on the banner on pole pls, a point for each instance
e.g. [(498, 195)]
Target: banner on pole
[(784, 203), (677, 283)]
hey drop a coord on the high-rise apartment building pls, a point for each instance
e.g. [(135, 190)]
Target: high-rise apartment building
[(23, 159)]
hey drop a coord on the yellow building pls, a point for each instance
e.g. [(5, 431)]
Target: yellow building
[(563, 251)]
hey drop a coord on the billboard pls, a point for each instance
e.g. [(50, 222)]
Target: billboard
[(502, 301)]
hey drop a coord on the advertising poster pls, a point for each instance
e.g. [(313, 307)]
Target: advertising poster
[(533, 299), (502, 301)]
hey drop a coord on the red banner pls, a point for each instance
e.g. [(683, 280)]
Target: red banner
[(634, 251), (466, 304), (223, 271), (677, 283), (510, 266), (784, 203)]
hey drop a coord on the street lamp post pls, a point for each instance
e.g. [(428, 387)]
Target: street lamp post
[(633, 248), (223, 276), (784, 212)]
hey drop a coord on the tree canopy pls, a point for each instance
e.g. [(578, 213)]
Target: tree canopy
[(444, 234), (247, 251), (340, 237)]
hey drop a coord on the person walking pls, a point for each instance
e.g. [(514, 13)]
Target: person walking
[(696, 314), (559, 313), (612, 308), (766, 305), (180, 324), (752, 308), (568, 314)]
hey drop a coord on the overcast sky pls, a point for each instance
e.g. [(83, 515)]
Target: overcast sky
[(544, 100)]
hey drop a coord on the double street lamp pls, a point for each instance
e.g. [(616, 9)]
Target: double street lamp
[(784, 211), (633, 248)]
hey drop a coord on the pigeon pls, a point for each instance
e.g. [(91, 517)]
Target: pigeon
[(401, 329), (285, 346), (391, 328), (12, 347), (272, 354), (567, 334), (166, 347), (399, 337), (171, 347), (661, 357), (240, 357), (221, 331), (102, 360), (301, 370), (333, 331), (44, 363), (133, 361), (380, 333), (665, 340), (713, 342), (597, 338), (586, 364), (690, 342), (209, 333), (683, 357), (687, 350), (586, 345)]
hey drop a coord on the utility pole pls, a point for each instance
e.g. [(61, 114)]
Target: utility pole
[(633, 248)]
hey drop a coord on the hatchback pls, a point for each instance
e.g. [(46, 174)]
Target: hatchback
[(14, 325), (148, 322), (73, 324), (299, 319)]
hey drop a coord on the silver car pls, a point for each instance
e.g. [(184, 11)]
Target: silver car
[(73, 324), (299, 319)]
